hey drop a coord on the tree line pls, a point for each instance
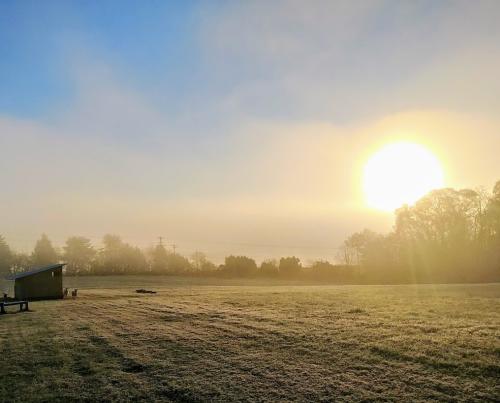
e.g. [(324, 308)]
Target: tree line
[(118, 257), (447, 236), (115, 257)]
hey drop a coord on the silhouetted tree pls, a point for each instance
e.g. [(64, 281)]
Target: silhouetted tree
[(269, 268), (200, 263), (6, 257), (448, 235), (356, 246), (44, 253), (197, 260), (492, 216), (159, 259), (118, 257), (325, 271), (133, 260), (239, 266), (289, 266), (177, 263), (78, 254), (439, 236), (20, 262)]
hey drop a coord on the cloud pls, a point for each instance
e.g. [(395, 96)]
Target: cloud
[(346, 61)]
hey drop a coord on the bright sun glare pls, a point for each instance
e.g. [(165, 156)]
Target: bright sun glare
[(400, 173)]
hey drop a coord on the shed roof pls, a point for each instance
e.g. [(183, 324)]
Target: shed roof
[(36, 270)]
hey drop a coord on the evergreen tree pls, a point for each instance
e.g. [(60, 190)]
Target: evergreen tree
[(44, 253), (78, 253), (6, 256)]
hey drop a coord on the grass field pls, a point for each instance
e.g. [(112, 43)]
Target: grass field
[(197, 341)]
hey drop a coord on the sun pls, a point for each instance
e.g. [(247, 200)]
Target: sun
[(400, 173)]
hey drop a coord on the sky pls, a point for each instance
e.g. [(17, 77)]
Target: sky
[(234, 127)]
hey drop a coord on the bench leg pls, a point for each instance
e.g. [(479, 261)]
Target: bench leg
[(2, 309)]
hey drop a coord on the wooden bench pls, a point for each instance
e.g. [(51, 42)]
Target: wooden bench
[(22, 304)]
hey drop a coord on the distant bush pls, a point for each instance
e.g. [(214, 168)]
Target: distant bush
[(290, 267), (269, 268), (239, 266)]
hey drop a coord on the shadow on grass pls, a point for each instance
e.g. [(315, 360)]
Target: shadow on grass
[(465, 369)]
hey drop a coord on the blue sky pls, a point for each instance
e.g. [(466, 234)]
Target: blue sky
[(218, 124), (150, 41), (159, 47)]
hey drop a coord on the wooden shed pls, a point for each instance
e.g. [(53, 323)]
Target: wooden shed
[(39, 283)]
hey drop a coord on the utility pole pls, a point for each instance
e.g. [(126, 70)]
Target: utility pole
[(160, 238), (174, 247)]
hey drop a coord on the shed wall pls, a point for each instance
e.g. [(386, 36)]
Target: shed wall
[(45, 285)]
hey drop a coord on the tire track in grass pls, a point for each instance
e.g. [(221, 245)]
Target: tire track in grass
[(243, 369), (218, 342)]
